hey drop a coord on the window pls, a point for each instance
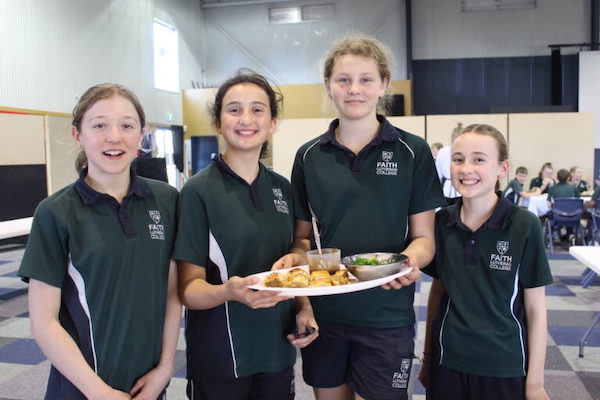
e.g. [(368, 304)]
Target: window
[(166, 57)]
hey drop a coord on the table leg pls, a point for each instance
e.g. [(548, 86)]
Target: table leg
[(587, 333)]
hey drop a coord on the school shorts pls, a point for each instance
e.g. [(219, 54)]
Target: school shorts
[(447, 383), (374, 363), (261, 386)]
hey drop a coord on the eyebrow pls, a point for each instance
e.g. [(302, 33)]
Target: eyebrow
[(239, 103)]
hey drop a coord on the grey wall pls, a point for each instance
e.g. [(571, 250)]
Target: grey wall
[(241, 36)]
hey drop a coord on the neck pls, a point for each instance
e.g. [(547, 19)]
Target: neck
[(356, 134), (244, 164), (116, 186), (474, 212)]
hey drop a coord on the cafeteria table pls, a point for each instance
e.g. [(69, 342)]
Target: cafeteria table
[(15, 227), (590, 257)]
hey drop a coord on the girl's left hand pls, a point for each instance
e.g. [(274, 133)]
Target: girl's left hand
[(304, 321), (405, 280), (151, 384), (288, 261)]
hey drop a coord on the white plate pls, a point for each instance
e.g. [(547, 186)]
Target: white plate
[(325, 290)]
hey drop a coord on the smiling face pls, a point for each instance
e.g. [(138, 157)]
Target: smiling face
[(475, 166), (110, 135), (246, 122), (355, 85)]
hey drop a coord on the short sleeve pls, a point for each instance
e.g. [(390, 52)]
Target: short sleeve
[(426, 193), (46, 256), (299, 193), (192, 242), (534, 270)]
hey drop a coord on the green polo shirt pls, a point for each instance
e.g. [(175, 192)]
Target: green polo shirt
[(562, 190), (538, 182), (233, 228), (362, 204), (480, 328), (513, 191), (111, 263)]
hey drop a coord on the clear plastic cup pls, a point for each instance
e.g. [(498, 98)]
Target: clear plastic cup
[(329, 260)]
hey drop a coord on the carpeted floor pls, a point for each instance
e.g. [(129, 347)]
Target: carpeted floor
[(571, 310)]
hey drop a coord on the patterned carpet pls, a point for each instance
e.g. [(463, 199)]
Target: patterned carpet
[(571, 310)]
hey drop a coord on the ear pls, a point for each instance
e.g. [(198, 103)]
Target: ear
[(503, 169), (327, 88), (274, 125), (76, 136), (384, 85)]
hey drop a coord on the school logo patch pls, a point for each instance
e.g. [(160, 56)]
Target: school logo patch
[(502, 246), (156, 230), (386, 166), (501, 261), (280, 204), (155, 215), (401, 377)]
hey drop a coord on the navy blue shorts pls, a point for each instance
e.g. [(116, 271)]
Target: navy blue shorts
[(261, 386), (375, 363), (447, 383)]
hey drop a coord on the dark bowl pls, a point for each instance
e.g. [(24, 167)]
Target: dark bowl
[(394, 263)]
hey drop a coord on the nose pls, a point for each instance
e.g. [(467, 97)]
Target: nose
[(353, 88), (113, 134), (245, 117)]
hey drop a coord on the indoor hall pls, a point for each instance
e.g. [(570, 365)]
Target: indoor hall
[(528, 68)]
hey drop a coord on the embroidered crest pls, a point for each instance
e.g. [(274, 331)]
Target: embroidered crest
[(502, 246), (155, 215), (387, 156), (278, 193), (280, 204)]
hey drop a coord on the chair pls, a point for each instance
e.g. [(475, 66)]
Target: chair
[(565, 213)]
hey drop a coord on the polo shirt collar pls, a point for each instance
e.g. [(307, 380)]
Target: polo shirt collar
[(90, 196), (496, 221), (387, 132), (253, 188)]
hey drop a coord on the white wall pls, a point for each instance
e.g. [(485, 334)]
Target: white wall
[(240, 36), (442, 30), (589, 87), (52, 51)]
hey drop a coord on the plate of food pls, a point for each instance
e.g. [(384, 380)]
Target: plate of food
[(299, 281)]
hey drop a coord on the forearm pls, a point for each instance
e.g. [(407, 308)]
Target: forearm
[(66, 357), (421, 249), (201, 295), (537, 332), (433, 305), (172, 323)]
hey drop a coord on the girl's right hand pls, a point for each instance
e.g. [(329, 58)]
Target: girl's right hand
[(238, 291)]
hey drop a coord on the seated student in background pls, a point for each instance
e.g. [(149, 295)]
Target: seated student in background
[(595, 197), (544, 179), (575, 179), (514, 191), (562, 189), (435, 148)]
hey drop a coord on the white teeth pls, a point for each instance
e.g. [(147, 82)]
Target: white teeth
[(113, 153), (246, 132), (468, 182)]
